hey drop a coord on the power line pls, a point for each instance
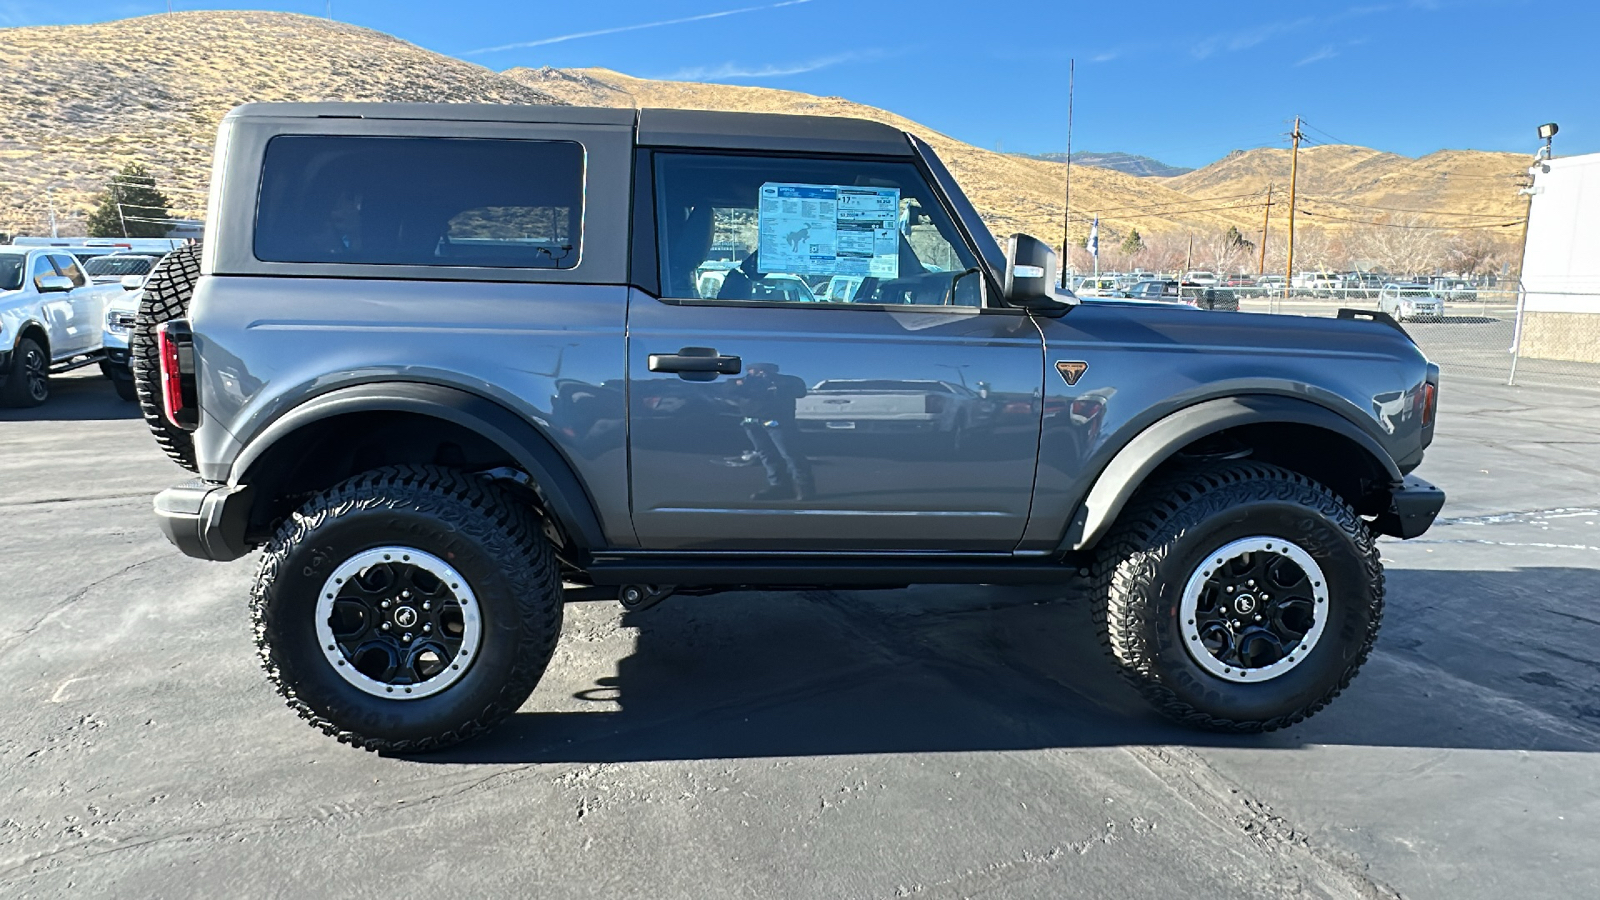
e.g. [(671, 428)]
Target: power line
[(1194, 201), (1419, 212), (1183, 212), (1337, 140), (1414, 227)]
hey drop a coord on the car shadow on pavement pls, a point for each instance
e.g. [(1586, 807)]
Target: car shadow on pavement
[(942, 669), (83, 396)]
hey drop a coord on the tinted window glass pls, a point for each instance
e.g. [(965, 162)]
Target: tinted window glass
[(807, 230), (11, 272), (421, 202), (66, 265)]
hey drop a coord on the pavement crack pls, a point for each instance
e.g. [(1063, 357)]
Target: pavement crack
[(14, 640)]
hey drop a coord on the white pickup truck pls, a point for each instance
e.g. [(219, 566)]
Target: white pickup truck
[(51, 321)]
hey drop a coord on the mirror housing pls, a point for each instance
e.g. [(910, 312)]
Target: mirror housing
[(132, 282), (53, 284), (1031, 277)]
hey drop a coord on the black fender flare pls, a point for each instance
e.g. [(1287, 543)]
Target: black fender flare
[(562, 492), (1157, 443)]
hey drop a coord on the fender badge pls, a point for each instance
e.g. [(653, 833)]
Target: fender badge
[(1072, 370)]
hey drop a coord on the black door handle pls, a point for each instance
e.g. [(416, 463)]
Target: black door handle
[(696, 363)]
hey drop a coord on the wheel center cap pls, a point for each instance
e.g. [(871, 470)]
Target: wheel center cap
[(1245, 604), (405, 617)]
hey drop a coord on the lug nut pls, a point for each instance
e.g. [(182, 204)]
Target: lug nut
[(384, 604), (1230, 588), (385, 626), (406, 638), (427, 629), (427, 605), (405, 593)]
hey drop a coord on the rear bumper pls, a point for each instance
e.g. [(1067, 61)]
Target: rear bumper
[(205, 520), (1412, 507)]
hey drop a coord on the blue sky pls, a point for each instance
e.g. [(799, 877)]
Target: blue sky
[(1182, 81)]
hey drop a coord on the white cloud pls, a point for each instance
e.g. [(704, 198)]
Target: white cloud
[(1327, 52), (638, 27), (731, 70), (1107, 56)]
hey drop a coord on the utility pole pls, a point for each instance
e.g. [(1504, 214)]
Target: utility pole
[(1266, 216), (1294, 175), (1066, 217)]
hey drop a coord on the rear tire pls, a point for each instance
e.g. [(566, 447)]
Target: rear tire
[(460, 525), (28, 382), (1193, 647), (165, 297)]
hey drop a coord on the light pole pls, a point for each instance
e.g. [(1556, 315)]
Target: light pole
[(1547, 132)]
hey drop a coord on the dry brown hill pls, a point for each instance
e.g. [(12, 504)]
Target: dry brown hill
[(79, 101), (1345, 183), (1012, 193)]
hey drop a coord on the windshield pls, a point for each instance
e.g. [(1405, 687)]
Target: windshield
[(11, 268), (118, 266)]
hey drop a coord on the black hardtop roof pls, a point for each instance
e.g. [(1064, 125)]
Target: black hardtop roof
[(690, 128)]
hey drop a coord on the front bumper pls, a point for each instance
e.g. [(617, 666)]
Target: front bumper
[(1413, 504), (204, 519)]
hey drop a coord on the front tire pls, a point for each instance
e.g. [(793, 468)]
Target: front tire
[(28, 383), (1241, 597), (339, 587)]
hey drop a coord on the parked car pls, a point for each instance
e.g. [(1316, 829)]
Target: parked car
[(1361, 285), (1317, 284), (1454, 289), (401, 450), (50, 321), (1201, 277), (1089, 286), (117, 268), (1198, 296), (1411, 301)]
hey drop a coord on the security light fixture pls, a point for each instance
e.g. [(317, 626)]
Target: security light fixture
[(1548, 130)]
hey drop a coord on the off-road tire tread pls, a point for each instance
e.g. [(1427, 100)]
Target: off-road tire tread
[(1128, 558), (165, 296), (475, 508)]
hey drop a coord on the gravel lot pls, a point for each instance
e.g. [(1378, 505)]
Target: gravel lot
[(934, 742)]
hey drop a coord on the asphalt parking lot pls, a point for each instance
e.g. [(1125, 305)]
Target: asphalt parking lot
[(930, 743)]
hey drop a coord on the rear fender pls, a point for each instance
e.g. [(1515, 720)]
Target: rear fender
[(562, 493)]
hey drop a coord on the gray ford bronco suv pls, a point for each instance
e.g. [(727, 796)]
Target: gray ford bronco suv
[(451, 365)]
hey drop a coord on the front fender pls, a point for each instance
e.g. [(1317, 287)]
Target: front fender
[(1137, 459)]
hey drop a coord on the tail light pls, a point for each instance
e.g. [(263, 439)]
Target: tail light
[(1430, 402), (179, 393)]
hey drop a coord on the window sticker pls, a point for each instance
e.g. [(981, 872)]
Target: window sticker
[(829, 229)]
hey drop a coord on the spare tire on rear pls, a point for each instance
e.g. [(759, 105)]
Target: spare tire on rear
[(166, 296)]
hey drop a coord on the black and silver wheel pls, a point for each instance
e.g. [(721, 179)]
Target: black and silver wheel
[(408, 608), (28, 382), (1239, 598)]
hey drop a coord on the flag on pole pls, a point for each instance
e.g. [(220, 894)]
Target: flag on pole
[(1094, 238)]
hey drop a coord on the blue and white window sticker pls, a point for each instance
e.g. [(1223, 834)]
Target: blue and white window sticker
[(829, 229)]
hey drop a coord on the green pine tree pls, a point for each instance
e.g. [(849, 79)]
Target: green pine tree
[(135, 189), (1133, 243)]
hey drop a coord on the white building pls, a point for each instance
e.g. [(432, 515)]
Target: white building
[(1561, 265)]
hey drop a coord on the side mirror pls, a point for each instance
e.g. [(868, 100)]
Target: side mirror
[(1031, 276), (53, 284), (132, 282)]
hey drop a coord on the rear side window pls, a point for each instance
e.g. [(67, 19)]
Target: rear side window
[(402, 201)]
